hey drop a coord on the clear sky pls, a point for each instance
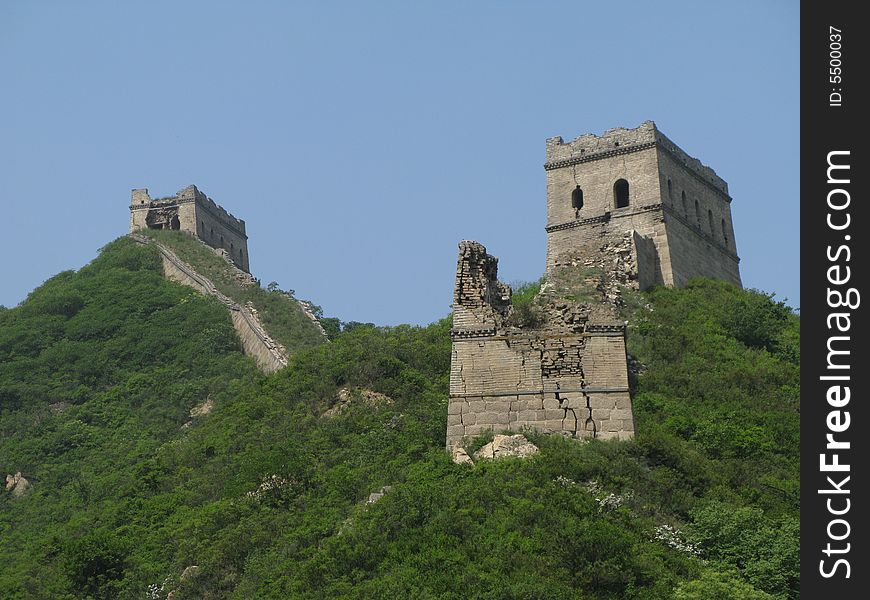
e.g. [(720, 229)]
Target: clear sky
[(361, 141)]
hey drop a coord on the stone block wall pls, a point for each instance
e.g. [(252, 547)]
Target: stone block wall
[(218, 228), (255, 341), (697, 210), (569, 377), (694, 253), (627, 209), (646, 257), (674, 201), (596, 179), (192, 211)]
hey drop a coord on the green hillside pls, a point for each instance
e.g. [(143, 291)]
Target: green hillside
[(266, 496), (281, 315)]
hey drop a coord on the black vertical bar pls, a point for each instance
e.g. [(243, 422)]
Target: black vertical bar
[(834, 233)]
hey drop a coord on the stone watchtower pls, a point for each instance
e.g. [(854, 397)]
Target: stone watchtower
[(628, 209), (192, 211), (637, 180)]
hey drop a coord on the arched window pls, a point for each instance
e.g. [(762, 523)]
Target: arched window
[(174, 223), (620, 193), (697, 214), (670, 192), (710, 218), (685, 210), (724, 233), (577, 198)]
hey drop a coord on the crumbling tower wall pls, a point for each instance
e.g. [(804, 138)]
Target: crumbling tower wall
[(192, 211), (625, 210), (569, 377)]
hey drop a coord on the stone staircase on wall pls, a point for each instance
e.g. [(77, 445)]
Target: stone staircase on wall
[(268, 354)]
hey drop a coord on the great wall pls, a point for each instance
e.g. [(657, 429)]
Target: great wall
[(269, 355), (193, 212), (625, 210)]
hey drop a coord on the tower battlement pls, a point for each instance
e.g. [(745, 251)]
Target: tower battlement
[(192, 211), (638, 180), (626, 209), (618, 141)]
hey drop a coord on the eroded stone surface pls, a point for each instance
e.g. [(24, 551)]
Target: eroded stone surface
[(460, 456), (625, 210), (192, 211), (564, 375), (17, 485), (507, 446), (347, 396)]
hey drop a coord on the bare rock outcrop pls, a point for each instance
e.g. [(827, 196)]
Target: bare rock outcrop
[(201, 410), (375, 496), (58, 407), (189, 572), (348, 396), (461, 457), (506, 446), (17, 485)]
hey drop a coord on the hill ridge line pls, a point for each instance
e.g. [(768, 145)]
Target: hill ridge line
[(256, 341)]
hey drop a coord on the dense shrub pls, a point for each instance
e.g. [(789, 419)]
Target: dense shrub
[(267, 496)]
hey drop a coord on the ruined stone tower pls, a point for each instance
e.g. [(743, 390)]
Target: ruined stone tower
[(637, 180), (192, 211), (625, 211), (568, 376)]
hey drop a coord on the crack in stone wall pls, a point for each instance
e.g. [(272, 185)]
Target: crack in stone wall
[(555, 379), (650, 214)]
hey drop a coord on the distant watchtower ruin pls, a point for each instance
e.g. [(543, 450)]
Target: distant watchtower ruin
[(637, 180), (625, 211), (192, 211)]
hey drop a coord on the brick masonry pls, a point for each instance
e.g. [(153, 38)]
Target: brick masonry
[(569, 377), (569, 374), (269, 355), (679, 205), (192, 211)]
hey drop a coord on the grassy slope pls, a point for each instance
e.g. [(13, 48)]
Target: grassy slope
[(123, 500), (282, 317)]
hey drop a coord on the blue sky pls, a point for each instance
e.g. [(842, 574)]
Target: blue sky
[(362, 141)]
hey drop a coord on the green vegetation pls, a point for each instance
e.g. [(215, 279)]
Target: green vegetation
[(281, 315), (717, 413), (578, 284), (524, 292), (100, 368), (527, 311)]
